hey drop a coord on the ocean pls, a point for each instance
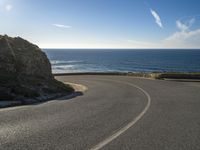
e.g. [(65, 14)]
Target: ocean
[(123, 60)]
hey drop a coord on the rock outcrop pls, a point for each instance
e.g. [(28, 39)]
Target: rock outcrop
[(25, 72), (20, 57)]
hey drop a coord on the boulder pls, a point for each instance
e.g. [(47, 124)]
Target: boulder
[(23, 58), (25, 72)]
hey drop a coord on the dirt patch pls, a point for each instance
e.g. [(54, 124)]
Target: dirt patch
[(77, 87)]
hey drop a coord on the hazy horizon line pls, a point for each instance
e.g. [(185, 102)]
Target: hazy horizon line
[(122, 48)]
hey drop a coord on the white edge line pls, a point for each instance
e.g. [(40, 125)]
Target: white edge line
[(130, 124)]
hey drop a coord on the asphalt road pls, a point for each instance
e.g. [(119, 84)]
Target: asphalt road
[(116, 112)]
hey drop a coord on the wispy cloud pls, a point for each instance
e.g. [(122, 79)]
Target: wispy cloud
[(157, 18), (192, 21), (185, 26), (179, 36), (61, 26), (185, 38), (181, 26), (188, 39)]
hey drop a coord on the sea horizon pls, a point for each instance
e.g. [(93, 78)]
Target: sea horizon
[(123, 60), (49, 49)]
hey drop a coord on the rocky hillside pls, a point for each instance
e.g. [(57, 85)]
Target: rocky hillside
[(25, 72)]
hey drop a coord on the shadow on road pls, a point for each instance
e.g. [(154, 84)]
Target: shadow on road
[(33, 102)]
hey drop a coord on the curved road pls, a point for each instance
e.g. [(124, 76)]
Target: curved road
[(116, 112)]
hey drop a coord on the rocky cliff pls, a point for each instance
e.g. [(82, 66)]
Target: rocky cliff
[(25, 72)]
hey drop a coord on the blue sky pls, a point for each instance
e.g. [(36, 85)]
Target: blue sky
[(103, 23)]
